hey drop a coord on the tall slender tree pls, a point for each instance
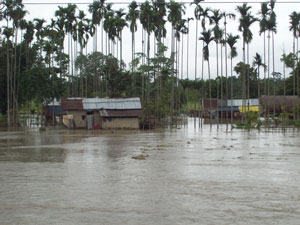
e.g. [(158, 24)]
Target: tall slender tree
[(175, 16), (264, 12), (246, 20), (146, 19), (216, 17), (294, 26), (231, 41), (207, 37), (197, 13), (97, 9), (120, 24), (132, 17), (226, 15), (258, 62)]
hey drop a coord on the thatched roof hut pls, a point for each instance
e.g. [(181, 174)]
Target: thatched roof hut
[(278, 102)]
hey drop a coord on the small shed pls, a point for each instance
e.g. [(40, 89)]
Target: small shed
[(113, 113), (103, 113)]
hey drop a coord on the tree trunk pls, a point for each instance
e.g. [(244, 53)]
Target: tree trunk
[(8, 83), (231, 94), (196, 49), (218, 81), (209, 83), (187, 52), (172, 76)]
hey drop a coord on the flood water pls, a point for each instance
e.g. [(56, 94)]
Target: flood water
[(188, 176)]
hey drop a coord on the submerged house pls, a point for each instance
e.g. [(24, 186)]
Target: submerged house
[(102, 113), (53, 110), (278, 103), (245, 105), (224, 107), (210, 106)]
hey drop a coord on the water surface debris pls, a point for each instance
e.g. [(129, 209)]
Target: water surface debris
[(140, 157)]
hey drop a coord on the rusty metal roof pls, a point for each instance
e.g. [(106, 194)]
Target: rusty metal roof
[(71, 104), (121, 113), (209, 103), (111, 103)]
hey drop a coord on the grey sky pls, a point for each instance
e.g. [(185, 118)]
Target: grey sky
[(283, 38)]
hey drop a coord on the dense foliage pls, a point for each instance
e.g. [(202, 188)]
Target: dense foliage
[(40, 61)]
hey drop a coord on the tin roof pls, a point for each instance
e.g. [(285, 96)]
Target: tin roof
[(111, 103), (121, 113), (239, 102)]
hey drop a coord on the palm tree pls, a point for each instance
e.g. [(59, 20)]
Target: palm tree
[(225, 16), (294, 27), (218, 33), (246, 20), (207, 37), (187, 48), (28, 38), (159, 14), (8, 33), (231, 41), (70, 20), (175, 16), (204, 14), (97, 9), (205, 18), (288, 62), (132, 17), (82, 36), (215, 19), (258, 62), (146, 19), (16, 13), (264, 12), (271, 28), (197, 13), (109, 28), (120, 23)]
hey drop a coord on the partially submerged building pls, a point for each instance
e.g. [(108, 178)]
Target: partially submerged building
[(53, 111), (102, 113), (224, 107), (245, 105), (278, 103)]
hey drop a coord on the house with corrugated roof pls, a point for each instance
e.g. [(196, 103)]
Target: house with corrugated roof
[(102, 113), (224, 107)]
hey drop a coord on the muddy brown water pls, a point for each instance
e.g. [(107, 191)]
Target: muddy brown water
[(186, 176)]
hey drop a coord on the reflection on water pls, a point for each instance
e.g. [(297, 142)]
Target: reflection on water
[(192, 176)]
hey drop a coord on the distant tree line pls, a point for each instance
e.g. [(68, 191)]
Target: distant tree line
[(40, 61)]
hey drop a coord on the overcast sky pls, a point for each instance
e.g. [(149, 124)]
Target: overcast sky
[(283, 38)]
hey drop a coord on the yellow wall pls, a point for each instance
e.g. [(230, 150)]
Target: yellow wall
[(251, 108), (121, 123)]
